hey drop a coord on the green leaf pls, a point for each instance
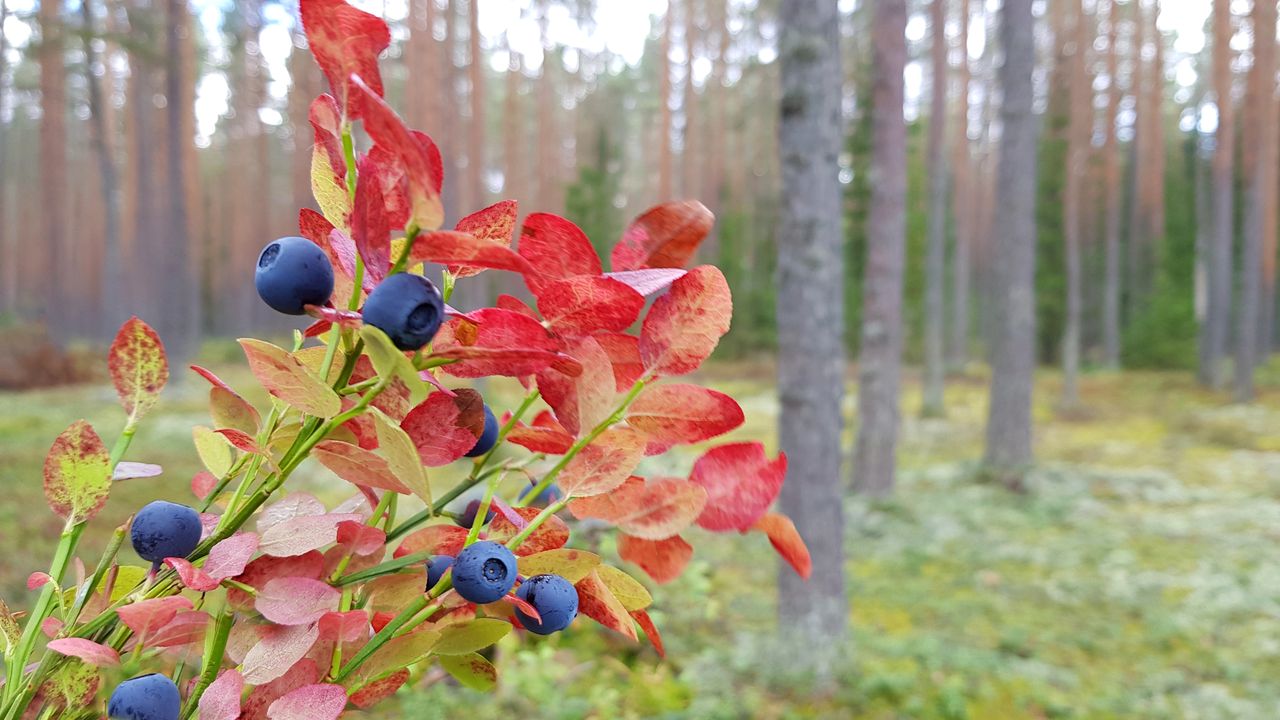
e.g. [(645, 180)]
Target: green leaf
[(475, 635), (128, 578), (138, 366), (401, 454), (73, 684), (285, 377), (390, 362), (10, 632), (77, 473), (572, 565), (332, 197), (396, 654), (215, 450), (471, 670), (627, 589)]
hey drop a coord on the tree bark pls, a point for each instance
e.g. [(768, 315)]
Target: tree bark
[(936, 260), (690, 169), (1081, 101), (181, 300), (1111, 182), (963, 196), (476, 123), (1258, 204), (8, 242), (664, 107), (1009, 450), (811, 343), (53, 166), (1220, 244), (881, 351)]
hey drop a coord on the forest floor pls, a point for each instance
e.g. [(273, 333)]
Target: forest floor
[(1135, 579)]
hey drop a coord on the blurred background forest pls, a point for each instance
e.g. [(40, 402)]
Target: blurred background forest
[(1059, 215)]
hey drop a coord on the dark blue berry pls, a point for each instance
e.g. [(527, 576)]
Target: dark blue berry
[(484, 572), (549, 494), (292, 273), (436, 567), (555, 599), (146, 697), (406, 307), (488, 438), (467, 517), (164, 529)]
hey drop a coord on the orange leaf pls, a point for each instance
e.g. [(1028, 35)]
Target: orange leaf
[(662, 560), (665, 236), (650, 631), (597, 601), (787, 541), (684, 326), (604, 464), (358, 466), (673, 414), (552, 534), (496, 223), (653, 510)]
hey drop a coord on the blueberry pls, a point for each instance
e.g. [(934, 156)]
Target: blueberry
[(484, 572), (488, 438), (467, 517), (555, 599), (164, 529), (293, 272), (146, 697), (406, 307), (549, 495), (436, 567)]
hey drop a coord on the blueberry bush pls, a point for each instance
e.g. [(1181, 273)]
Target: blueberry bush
[(258, 602)]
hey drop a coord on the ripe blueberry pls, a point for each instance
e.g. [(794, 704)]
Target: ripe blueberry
[(406, 307), (467, 517), (146, 697), (435, 569), (484, 572), (488, 438), (548, 495), (555, 599), (293, 272), (164, 529)]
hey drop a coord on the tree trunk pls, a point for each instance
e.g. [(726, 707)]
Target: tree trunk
[(1009, 451), (881, 351), (1258, 204), (1137, 238), (936, 260), (689, 167), (664, 107), (963, 196), (1111, 182), (8, 239), (811, 344), (476, 123), (1220, 244), (1080, 101), (53, 166), (181, 300)]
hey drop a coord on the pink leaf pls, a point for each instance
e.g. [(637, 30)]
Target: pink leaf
[(301, 534), (443, 428), (266, 568), (221, 700), (362, 539), (138, 366), (203, 483), (369, 227), (146, 616), (229, 557), (460, 249), (51, 626), (296, 600), (496, 223), (280, 647), (185, 628), (665, 236), (414, 151), (87, 650), (37, 580), (647, 282), (241, 441), (684, 326), (191, 576), (741, 484), (313, 702), (291, 506)]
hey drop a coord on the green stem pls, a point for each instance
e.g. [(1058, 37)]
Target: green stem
[(537, 521), (385, 568), (104, 565), (386, 633), (215, 645), (410, 235), (122, 443)]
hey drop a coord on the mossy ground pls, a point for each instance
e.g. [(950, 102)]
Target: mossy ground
[(1135, 579)]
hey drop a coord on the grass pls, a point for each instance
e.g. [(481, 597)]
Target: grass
[(1134, 580)]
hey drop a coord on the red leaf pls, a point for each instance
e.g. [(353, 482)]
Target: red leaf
[(296, 600), (362, 539), (191, 576), (557, 249), (77, 473), (624, 354), (280, 647), (263, 569), (146, 616), (389, 173), (583, 402), (665, 236), (314, 227), (313, 702), (647, 282), (515, 304), (445, 428), (87, 650), (302, 673), (303, 534), (545, 435), (674, 414), (787, 541), (345, 41), (358, 466), (684, 326), (453, 248), (37, 580), (524, 606), (346, 318), (379, 690), (496, 223), (347, 626), (285, 377), (741, 484), (435, 539), (604, 464), (650, 631), (502, 343), (662, 560), (415, 152), (597, 601), (653, 510), (369, 227), (241, 441), (552, 534), (209, 375), (587, 304), (186, 628), (221, 700), (138, 366)]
